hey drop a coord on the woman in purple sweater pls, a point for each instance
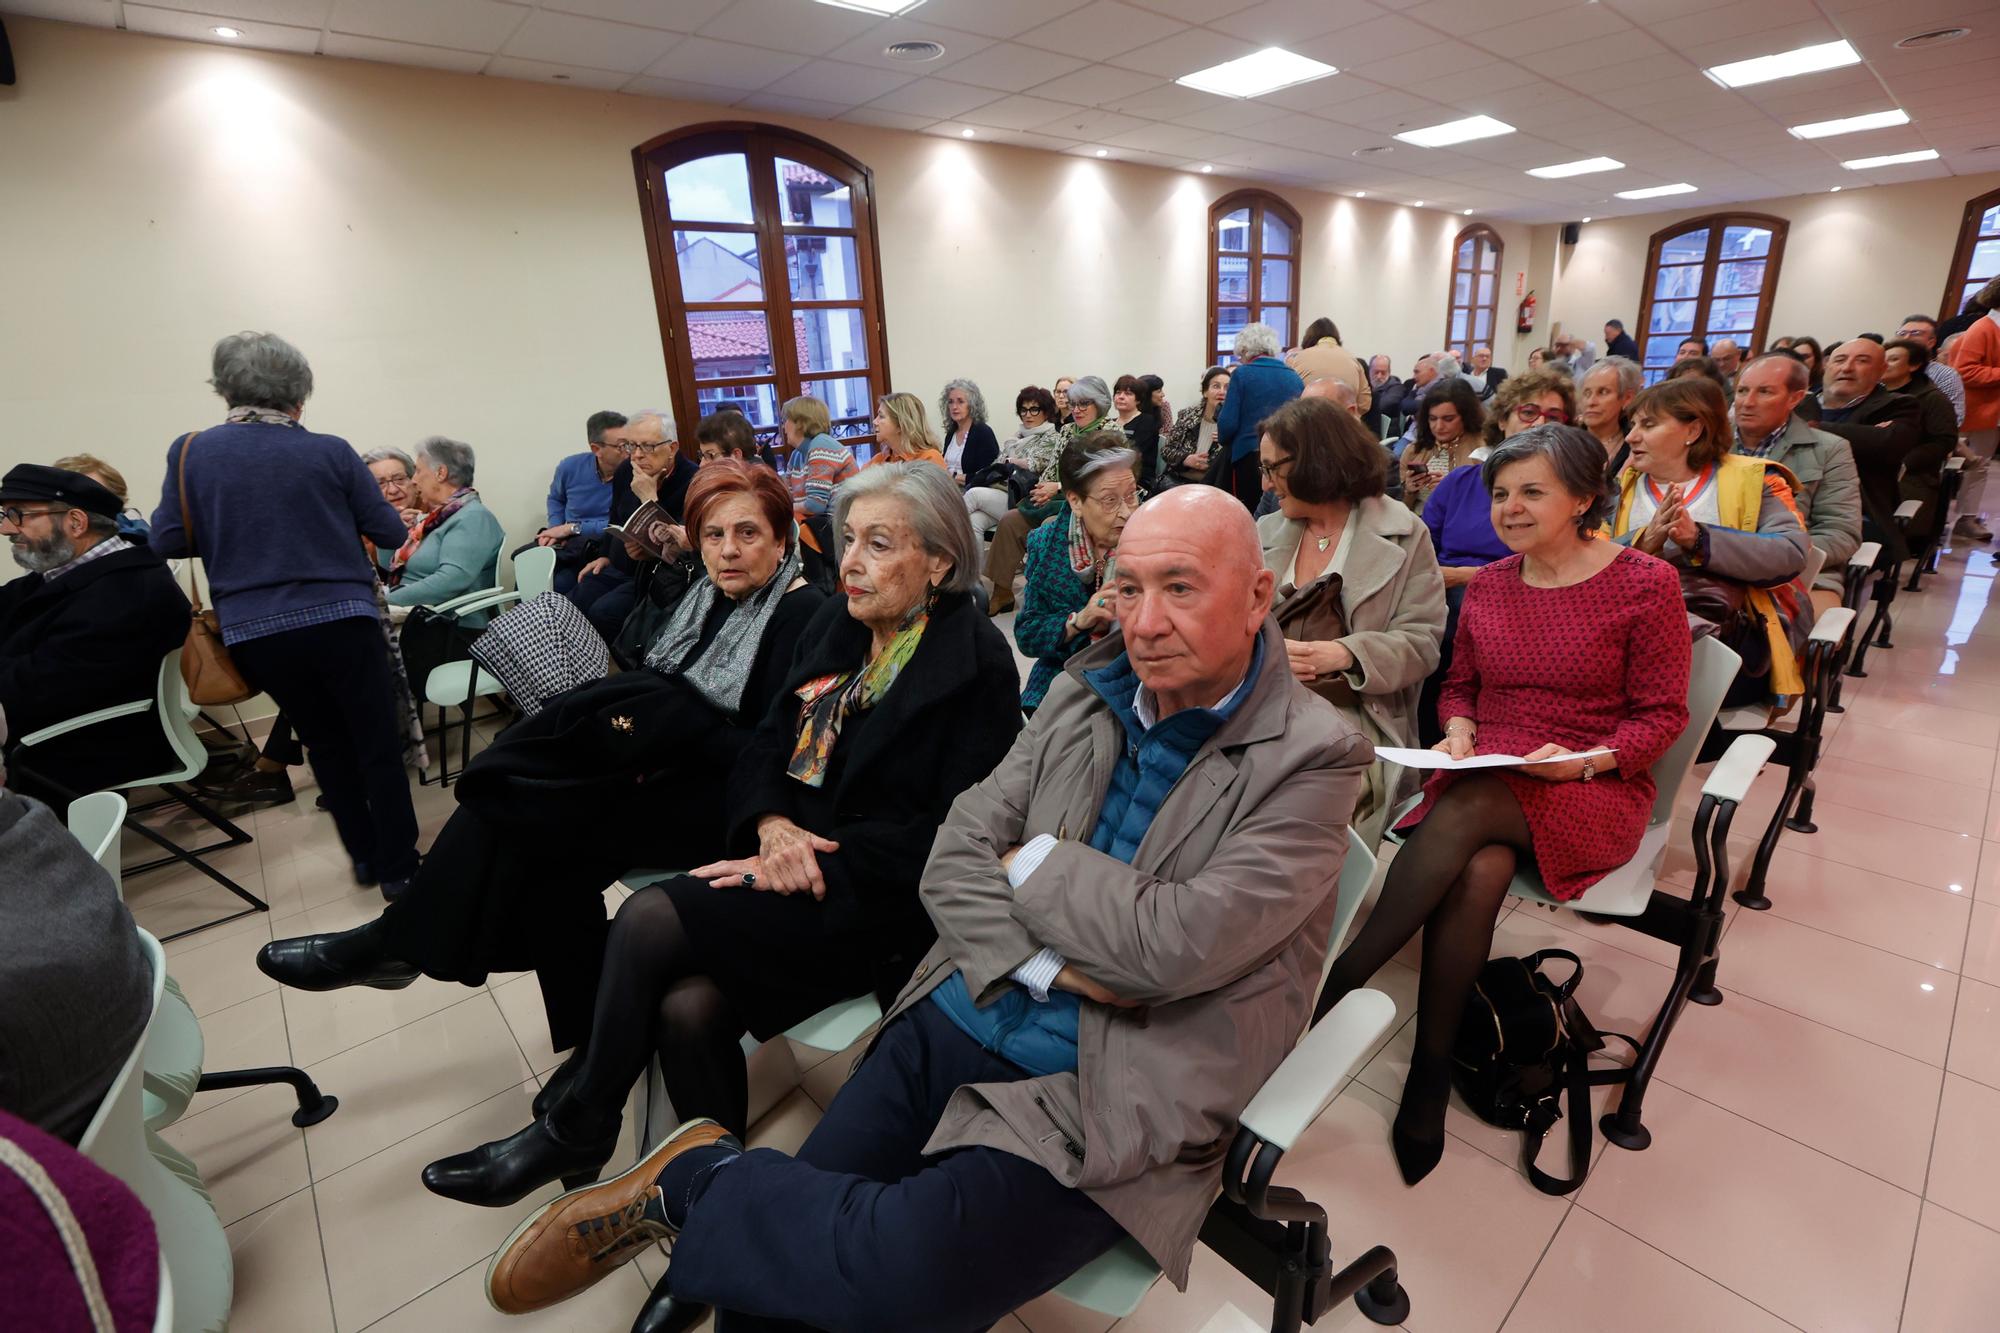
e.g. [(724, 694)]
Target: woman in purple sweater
[(278, 514)]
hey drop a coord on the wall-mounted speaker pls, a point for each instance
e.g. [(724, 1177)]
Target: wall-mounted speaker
[(1571, 230)]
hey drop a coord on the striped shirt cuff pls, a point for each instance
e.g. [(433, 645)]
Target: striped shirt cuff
[(1029, 859), (1039, 972)]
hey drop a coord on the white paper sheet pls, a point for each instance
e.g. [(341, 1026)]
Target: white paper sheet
[(1439, 759)]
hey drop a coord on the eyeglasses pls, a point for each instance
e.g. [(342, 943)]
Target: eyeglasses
[(14, 514), (388, 484), (647, 449), (1028, 410), (1124, 503), (1530, 413), (1270, 470)]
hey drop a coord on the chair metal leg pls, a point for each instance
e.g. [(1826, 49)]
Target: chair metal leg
[(233, 836), (180, 854), (314, 1105)]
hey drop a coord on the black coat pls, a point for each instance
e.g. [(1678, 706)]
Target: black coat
[(1623, 346), (982, 450), (91, 638), (1886, 433), (624, 504), (944, 725)]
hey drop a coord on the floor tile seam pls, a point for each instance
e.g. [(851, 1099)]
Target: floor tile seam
[(1724, 985), (384, 1318), (1777, 915), (1568, 1211), (326, 1264), (1972, 1221), (1682, 1263), (335, 1175), (1821, 801), (1799, 848), (472, 993)]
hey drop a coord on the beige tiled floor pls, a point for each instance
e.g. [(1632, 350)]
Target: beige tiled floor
[(1824, 1152)]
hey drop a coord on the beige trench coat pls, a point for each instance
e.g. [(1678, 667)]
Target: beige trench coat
[(1393, 595), (1217, 928)]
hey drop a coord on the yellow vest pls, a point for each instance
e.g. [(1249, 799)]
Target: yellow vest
[(1739, 499)]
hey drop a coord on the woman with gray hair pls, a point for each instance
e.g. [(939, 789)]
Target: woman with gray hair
[(278, 515), (970, 447), (1090, 413), (1259, 386), (396, 473), (1569, 646), (1603, 396), (455, 548), (901, 696)]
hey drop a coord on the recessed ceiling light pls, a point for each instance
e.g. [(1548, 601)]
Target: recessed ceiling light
[(1874, 120), (1261, 72), (1456, 131), (1785, 65), (231, 33), (883, 8), (1890, 159), (1582, 168), (1656, 191), (1361, 194), (1206, 168), (1418, 204), (965, 134), (1834, 190), (1104, 152), (1935, 37), (1586, 219), (1468, 212)]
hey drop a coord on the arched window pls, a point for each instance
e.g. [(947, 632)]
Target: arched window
[(1977, 259), (1709, 278), (766, 275), (1474, 306), (1253, 271)]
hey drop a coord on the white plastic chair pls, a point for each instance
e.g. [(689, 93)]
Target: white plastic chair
[(193, 1248), (169, 705), (460, 684), (96, 821), (535, 572)]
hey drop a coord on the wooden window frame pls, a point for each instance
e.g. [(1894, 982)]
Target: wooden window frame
[(1258, 202), (762, 145), (1478, 231), (1961, 257), (1717, 224)]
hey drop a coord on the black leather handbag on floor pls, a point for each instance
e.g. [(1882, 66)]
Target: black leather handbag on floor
[(1523, 1044)]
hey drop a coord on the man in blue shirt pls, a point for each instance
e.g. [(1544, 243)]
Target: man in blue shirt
[(580, 496)]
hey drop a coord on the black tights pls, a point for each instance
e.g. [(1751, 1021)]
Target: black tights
[(653, 999), (1449, 880)]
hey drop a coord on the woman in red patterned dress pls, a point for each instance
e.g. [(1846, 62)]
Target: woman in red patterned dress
[(1569, 644)]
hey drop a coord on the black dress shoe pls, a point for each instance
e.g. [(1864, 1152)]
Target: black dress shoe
[(664, 1314), (252, 788), (331, 962), (558, 1083), (393, 889), (506, 1171)]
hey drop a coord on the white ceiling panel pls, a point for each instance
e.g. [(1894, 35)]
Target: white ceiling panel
[(1464, 16), (673, 15), (831, 81), (788, 25), (95, 13), (1011, 68), (887, 120), (1278, 22), (1020, 113), (773, 100), (567, 39), (402, 53), (1104, 28), (1438, 63), (1106, 86), (570, 76), (1184, 53), (291, 13), (990, 19), (723, 64), (200, 28), (1555, 31), (1211, 12), (935, 98), (680, 90), (870, 48), (465, 25), (1090, 123)]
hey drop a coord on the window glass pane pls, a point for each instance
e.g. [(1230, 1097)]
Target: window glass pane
[(1482, 325), (729, 343), (1745, 242), (710, 189), (1232, 279), (1967, 293), (1672, 317), (1277, 280), (1279, 318), (809, 197), (1738, 315), (1985, 261), (1229, 321), (1464, 260), (1681, 282), (1660, 351), (1486, 289), (1744, 279), (1277, 234), (823, 268), (1458, 321), (1233, 231), (718, 266), (848, 400), (1461, 289), (1989, 221), (829, 339), (759, 402), (1690, 247), (1489, 259)]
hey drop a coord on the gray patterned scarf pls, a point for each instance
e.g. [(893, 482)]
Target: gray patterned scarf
[(723, 668)]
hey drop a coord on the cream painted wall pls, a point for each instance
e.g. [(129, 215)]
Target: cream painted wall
[(463, 255), (1858, 260)]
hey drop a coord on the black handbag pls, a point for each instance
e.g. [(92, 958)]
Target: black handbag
[(1522, 1046), (429, 640), (662, 584)]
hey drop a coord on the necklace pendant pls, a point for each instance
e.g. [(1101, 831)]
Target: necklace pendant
[(1323, 542)]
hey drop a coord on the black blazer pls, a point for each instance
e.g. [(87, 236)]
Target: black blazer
[(982, 450), (90, 639), (944, 725), (1885, 432)]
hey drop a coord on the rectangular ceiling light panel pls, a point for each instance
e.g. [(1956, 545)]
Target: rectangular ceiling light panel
[(887, 8), (1456, 131), (1261, 72), (1583, 168), (1892, 160), (1874, 120), (1658, 191), (1784, 65)]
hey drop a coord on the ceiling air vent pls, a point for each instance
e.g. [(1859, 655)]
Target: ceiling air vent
[(916, 53), (1935, 37), (1376, 151)]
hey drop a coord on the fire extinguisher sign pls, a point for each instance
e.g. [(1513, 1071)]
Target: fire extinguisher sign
[(1520, 283)]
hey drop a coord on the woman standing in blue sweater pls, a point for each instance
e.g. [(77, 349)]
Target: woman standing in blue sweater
[(277, 514), (1260, 385)]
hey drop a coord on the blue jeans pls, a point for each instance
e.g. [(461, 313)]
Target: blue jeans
[(861, 1232)]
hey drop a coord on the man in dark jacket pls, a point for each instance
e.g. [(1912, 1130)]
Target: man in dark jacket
[(606, 588), (1886, 432), (84, 629), (1617, 342), (1386, 408), (1937, 435)]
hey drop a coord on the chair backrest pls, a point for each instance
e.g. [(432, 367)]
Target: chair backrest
[(1714, 666), (1357, 872), (96, 821), (115, 1139), (1815, 562), (177, 714), (535, 572)]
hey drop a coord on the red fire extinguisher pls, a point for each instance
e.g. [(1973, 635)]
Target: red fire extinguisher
[(1525, 322)]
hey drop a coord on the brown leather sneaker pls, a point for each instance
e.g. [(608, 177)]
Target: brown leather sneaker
[(584, 1235)]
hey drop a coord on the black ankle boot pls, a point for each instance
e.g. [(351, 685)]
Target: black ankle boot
[(558, 1083), (663, 1314), (506, 1171), (330, 962), (1418, 1133)]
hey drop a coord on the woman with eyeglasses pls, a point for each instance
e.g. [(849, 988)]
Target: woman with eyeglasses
[(1020, 465), (1459, 512), (1066, 603)]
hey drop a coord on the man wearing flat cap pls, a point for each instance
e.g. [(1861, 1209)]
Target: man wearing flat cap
[(84, 629)]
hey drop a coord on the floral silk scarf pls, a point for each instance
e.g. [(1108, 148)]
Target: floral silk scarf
[(432, 521), (831, 700)]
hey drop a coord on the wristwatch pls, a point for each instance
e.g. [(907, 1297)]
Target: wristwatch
[(1589, 767)]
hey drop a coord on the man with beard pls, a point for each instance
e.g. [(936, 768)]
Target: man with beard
[(84, 629)]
